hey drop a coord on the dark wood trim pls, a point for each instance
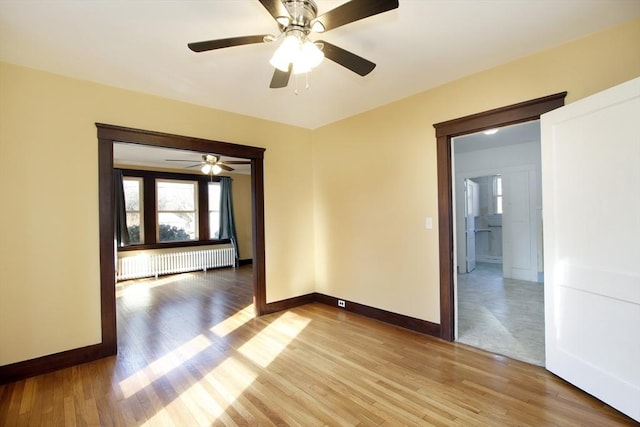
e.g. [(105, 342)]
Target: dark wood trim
[(179, 142), (107, 247), (107, 135), (289, 303), (203, 210), (52, 362), (407, 322), (257, 203), (145, 173), (179, 244), (113, 134), (149, 207), (445, 131)]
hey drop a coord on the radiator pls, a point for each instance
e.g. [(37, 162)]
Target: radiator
[(156, 264)]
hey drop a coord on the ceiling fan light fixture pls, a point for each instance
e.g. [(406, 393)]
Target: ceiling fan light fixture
[(215, 169), (317, 27), (310, 57), (206, 169), (299, 51)]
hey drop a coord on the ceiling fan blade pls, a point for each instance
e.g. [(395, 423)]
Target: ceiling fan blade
[(237, 162), (349, 60), (280, 78), (225, 167), (222, 43), (193, 166), (352, 11), (276, 9)]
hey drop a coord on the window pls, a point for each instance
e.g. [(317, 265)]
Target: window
[(133, 206), (214, 210), (176, 210), (497, 194)]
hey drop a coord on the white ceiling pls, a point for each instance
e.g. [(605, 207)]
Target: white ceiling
[(142, 45), (507, 135), (134, 155)]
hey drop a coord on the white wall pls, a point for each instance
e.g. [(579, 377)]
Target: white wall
[(490, 162)]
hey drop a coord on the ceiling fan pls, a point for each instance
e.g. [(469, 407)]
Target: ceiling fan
[(212, 164), (297, 19)]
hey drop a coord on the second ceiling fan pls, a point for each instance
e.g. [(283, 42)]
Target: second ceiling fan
[(212, 164), (297, 19)]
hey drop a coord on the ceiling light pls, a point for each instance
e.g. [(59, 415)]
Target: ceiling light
[(317, 27), (215, 169), (491, 131), (298, 50), (206, 168)]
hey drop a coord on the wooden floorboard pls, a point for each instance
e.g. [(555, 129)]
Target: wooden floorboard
[(191, 353)]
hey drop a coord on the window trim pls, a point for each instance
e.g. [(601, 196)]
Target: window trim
[(150, 215)]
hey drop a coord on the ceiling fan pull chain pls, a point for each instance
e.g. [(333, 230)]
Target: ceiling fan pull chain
[(306, 79), (295, 91)]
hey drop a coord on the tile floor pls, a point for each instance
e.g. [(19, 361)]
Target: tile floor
[(504, 316)]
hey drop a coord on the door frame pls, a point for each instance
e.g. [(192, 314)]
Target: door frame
[(445, 131), (107, 135)]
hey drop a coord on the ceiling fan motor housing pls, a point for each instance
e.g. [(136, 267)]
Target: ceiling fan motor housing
[(302, 13)]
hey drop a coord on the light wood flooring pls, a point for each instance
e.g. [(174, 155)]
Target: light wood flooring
[(191, 353)]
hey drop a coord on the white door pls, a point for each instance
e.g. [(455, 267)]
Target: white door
[(472, 198), (591, 199), (520, 255)]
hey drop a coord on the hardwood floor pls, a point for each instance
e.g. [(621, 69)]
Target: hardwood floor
[(191, 353)]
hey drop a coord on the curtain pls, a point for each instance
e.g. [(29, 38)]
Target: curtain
[(120, 216), (227, 220)]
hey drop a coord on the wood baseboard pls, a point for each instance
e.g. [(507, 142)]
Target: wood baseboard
[(242, 262), (53, 362), (286, 304), (407, 322), (65, 359)]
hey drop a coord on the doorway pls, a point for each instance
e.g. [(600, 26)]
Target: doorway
[(497, 194), (445, 132), (107, 136)]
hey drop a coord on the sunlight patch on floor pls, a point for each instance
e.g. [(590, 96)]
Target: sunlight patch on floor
[(264, 347), (160, 367), (232, 323)]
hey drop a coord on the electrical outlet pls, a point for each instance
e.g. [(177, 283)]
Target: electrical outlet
[(341, 303)]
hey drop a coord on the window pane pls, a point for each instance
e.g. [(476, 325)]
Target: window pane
[(133, 205), (499, 204), (176, 196), (214, 210), (176, 202), (214, 196), (498, 184), (133, 225), (214, 224), (174, 226), (131, 194)]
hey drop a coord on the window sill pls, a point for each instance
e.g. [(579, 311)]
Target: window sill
[(181, 244)]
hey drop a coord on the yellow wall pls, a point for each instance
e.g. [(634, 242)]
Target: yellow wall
[(242, 211), (49, 270), (355, 210), (375, 174)]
